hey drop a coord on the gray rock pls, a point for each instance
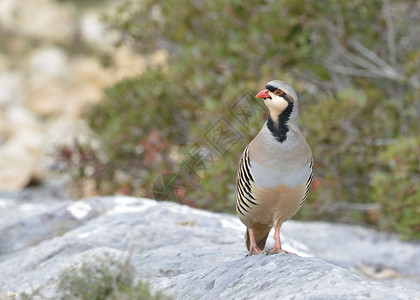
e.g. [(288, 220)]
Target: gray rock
[(283, 276), (195, 254), (21, 149), (10, 88), (96, 32), (51, 62)]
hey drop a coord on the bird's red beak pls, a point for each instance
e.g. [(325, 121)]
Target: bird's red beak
[(263, 94)]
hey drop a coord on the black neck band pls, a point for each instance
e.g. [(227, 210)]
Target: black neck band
[(279, 130)]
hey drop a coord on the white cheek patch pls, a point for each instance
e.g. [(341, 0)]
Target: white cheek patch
[(277, 105)]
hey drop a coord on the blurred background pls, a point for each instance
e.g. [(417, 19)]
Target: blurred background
[(155, 99)]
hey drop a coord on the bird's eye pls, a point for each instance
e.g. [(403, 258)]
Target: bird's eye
[(278, 92)]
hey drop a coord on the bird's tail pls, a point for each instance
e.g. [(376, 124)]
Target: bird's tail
[(261, 232)]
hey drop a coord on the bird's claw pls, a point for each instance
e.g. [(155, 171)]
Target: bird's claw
[(255, 251), (275, 250)]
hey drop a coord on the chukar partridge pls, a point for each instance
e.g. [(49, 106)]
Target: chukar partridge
[(275, 170)]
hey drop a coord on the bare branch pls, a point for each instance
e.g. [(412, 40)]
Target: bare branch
[(390, 33), (363, 207), (367, 64), (358, 60), (389, 72), (352, 58), (350, 70)]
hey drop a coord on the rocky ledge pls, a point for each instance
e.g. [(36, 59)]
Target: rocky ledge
[(196, 254)]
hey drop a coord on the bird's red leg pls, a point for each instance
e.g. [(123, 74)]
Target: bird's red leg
[(253, 248), (277, 246)]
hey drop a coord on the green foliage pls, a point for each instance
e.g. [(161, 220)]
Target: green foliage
[(355, 85), (349, 153), (396, 186), (107, 279), (84, 3)]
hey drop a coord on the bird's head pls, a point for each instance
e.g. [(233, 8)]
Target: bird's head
[(279, 97)]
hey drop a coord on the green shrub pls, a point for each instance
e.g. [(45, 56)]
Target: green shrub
[(348, 151), (396, 186), (106, 279)]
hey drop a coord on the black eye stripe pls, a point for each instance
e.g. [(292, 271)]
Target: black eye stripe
[(270, 88), (274, 90)]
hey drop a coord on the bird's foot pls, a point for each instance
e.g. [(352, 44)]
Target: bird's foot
[(275, 250), (255, 251)]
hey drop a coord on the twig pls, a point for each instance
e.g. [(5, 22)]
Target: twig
[(368, 62), (388, 71), (390, 33), (350, 70), (363, 207), (340, 49)]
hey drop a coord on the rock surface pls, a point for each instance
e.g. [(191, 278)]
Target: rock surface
[(195, 254)]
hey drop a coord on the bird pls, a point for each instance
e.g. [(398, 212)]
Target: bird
[(275, 170)]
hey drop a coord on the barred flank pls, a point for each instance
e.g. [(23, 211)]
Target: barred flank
[(243, 184)]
